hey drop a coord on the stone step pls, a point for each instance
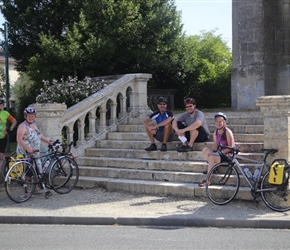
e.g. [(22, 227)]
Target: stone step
[(138, 136), (144, 164), (242, 118), (141, 174), (163, 188), (155, 155), (120, 144), (242, 129)]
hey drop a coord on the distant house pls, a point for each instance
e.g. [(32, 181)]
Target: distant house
[(13, 73)]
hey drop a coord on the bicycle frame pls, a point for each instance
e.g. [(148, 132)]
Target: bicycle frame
[(263, 165)]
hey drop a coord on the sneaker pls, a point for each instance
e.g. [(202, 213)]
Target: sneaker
[(163, 147), (185, 149), (152, 147), (203, 183)]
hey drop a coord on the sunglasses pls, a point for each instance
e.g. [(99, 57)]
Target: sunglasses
[(189, 106), (1, 102)]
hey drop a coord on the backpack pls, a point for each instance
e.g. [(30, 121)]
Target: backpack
[(279, 172), (17, 171)]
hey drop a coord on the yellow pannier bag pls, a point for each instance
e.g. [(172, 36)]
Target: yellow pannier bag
[(276, 175), (17, 171)]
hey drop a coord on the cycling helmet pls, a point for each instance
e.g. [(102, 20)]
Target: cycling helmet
[(29, 110), (189, 100), (161, 99), (220, 114), (2, 100)]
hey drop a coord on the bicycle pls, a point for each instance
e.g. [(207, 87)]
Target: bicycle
[(61, 175), (223, 181)]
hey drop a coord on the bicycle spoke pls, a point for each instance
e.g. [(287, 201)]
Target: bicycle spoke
[(20, 182), (63, 175), (222, 187), (276, 197)]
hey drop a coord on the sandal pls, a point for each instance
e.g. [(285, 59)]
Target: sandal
[(203, 183)]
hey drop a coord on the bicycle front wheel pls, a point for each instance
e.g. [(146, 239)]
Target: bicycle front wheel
[(64, 175), (276, 197), (20, 181), (223, 183)]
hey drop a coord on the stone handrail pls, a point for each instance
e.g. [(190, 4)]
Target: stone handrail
[(95, 116)]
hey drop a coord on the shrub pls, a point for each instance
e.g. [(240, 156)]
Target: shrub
[(69, 91)]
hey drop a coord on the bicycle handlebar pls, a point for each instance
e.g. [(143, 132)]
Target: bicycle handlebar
[(235, 150)]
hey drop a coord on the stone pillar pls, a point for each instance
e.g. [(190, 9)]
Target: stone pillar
[(261, 51), (48, 119), (139, 103), (247, 81), (275, 110)]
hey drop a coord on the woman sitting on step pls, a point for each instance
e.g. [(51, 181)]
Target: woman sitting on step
[(221, 136)]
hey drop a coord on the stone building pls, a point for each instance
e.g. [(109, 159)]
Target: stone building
[(261, 51)]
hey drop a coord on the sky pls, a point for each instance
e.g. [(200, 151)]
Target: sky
[(199, 15)]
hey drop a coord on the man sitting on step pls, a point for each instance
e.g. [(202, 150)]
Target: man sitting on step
[(190, 126), (158, 125)]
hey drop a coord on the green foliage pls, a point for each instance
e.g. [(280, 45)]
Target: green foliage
[(57, 39), (27, 19), (22, 90), (2, 83), (111, 37)]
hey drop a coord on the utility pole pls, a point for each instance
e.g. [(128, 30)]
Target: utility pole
[(7, 78)]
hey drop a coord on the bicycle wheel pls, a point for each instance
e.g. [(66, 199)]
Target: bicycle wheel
[(223, 186), (5, 165), (276, 197), (20, 181), (63, 175)]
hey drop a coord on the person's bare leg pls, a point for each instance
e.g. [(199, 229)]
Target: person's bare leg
[(167, 131), (193, 136)]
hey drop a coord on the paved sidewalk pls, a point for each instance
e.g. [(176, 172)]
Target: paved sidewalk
[(96, 206)]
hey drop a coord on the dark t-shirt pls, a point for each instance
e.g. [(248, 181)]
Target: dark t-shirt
[(158, 117)]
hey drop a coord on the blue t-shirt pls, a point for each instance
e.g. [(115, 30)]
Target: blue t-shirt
[(158, 117)]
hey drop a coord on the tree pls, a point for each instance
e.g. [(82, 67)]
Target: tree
[(2, 83), (27, 19), (112, 37), (107, 37)]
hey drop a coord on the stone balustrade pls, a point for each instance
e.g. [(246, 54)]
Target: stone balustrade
[(94, 117)]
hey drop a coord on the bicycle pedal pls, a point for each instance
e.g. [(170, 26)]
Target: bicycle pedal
[(48, 194)]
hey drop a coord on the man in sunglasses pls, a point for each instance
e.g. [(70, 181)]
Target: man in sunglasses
[(158, 125), (4, 117), (190, 126)]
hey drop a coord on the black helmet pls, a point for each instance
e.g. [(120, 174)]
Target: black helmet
[(220, 114), (189, 100), (161, 99)]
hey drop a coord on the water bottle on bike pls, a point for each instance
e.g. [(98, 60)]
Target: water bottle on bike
[(248, 173)]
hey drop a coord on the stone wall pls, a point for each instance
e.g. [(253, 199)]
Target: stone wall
[(275, 110), (261, 51)]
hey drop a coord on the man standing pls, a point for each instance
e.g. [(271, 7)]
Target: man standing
[(190, 126), (4, 117), (158, 125)]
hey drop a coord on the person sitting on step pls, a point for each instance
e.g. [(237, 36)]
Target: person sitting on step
[(190, 126), (158, 125), (221, 136)]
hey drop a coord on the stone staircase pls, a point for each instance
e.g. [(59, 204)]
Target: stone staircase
[(120, 162)]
